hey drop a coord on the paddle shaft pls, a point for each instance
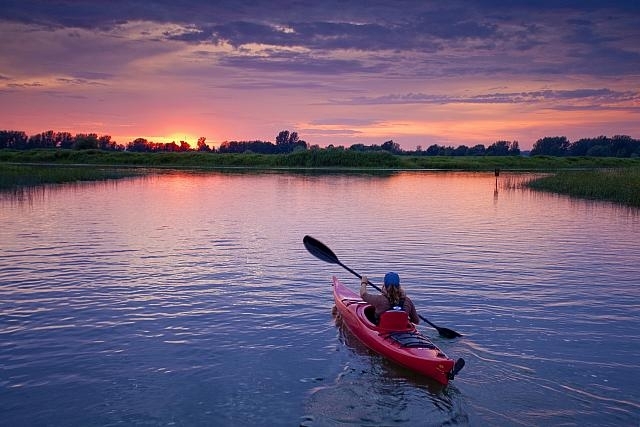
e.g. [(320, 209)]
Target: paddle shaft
[(358, 275), (427, 320)]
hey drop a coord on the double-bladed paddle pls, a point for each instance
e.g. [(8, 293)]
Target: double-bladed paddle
[(321, 251)]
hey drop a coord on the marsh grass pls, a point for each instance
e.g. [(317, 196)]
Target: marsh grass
[(326, 158), (615, 185), (18, 176)]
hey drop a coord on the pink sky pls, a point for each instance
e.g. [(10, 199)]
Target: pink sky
[(341, 73)]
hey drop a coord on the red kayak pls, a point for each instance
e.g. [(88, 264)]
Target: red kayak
[(395, 337)]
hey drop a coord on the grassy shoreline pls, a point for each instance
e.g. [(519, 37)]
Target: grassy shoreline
[(610, 179), (326, 158)]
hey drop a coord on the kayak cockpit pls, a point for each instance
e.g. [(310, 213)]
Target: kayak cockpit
[(391, 320)]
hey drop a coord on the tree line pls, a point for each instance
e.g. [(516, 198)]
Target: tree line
[(498, 148), (18, 140), (602, 146), (288, 142)]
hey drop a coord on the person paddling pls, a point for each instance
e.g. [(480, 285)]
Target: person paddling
[(393, 297)]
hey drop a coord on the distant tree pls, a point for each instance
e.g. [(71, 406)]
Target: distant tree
[(448, 150), (85, 141), (392, 147), (599, 151), (282, 137), (287, 142), (35, 141), (551, 146), (602, 146), (476, 150), (49, 139), (171, 147), (434, 150), (582, 146), (105, 143), (439, 150), (498, 148), (42, 140), (13, 139), (282, 141), (461, 150), (300, 145), (358, 147), (224, 147), (138, 145), (514, 148), (261, 147), (202, 145), (623, 146), (64, 140)]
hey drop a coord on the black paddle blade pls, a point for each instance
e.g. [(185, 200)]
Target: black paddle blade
[(444, 332), (448, 333), (457, 367), (319, 250)]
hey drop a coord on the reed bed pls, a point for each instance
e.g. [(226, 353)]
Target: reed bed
[(17, 176), (325, 158), (615, 185)]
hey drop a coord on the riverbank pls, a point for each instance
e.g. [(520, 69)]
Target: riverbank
[(325, 158)]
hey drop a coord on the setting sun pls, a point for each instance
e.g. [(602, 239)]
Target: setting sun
[(176, 137)]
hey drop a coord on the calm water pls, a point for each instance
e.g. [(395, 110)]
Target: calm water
[(189, 299)]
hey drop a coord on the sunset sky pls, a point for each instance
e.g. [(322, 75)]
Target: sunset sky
[(337, 71)]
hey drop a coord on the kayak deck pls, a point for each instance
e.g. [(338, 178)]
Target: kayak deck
[(397, 341)]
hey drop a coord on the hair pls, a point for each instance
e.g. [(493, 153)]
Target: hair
[(394, 293)]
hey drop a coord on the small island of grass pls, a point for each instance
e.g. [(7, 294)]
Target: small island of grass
[(615, 185)]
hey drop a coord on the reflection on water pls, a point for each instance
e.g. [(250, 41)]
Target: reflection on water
[(188, 298)]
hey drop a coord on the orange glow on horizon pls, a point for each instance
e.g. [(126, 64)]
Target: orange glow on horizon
[(468, 125), (177, 137)]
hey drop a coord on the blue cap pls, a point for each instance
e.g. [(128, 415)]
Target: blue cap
[(392, 279)]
